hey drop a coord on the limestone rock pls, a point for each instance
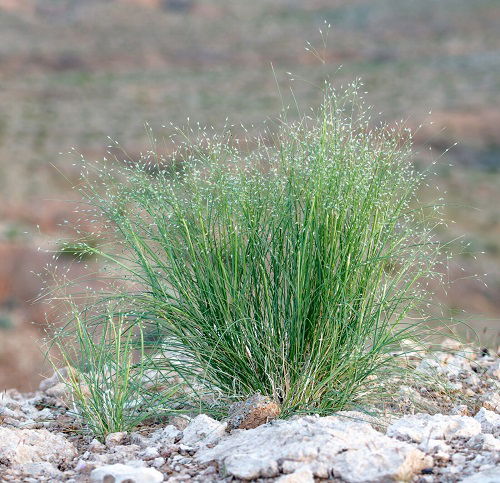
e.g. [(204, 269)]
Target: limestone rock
[(322, 445), (40, 470), (380, 465), (447, 364), (451, 344), (304, 475), (10, 408), (249, 467), (253, 412), (430, 367), (491, 401), (59, 390), (460, 410), (115, 439), (119, 473), (21, 412), (458, 459), (203, 430), (96, 446), (166, 436), (423, 427), (431, 446), (180, 422), (494, 370), (23, 446), (56, 378), (485, 442), (149, 453), (490, 421), (491, 475)]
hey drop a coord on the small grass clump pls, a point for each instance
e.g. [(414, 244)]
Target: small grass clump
[(294, 270), (110, 386)]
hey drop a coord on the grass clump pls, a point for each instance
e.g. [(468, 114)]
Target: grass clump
[(294, 270), (110, 386)]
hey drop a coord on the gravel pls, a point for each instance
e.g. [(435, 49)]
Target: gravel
[(447, 432)]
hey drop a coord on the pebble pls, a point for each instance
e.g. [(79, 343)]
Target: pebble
[(119, 473)]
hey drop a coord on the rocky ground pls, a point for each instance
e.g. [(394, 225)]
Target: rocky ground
[(457, 438)]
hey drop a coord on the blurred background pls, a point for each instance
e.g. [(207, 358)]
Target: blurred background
[(73, 72)]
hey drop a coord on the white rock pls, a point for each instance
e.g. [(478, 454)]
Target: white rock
[(460, 410), (96, 446), (40, 469), (442, 455), (380, 465), (158, 462), (248, 467), (149, 453), (203, 430), (458, 459), (423, 427), (140, 440), (165, 436), (120, 473), (491, 475), (9, 406), (450, 365), (43, 415), (430, 367), (115, 439), (135, 463), (494, 369), (434, 446), (22, 446), (303, 475), (473, 380), (490, 421), (479, 460), (6, 412), (490, 443), (81, 466), (322, 445), (451, 344), (59, 390), (491, 401), (486, 442), (56, 378)]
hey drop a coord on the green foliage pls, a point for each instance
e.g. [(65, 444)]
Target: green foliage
[(110, 386), (295, 271)]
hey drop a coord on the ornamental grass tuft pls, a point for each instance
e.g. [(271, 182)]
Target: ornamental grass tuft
[(295, 269)]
